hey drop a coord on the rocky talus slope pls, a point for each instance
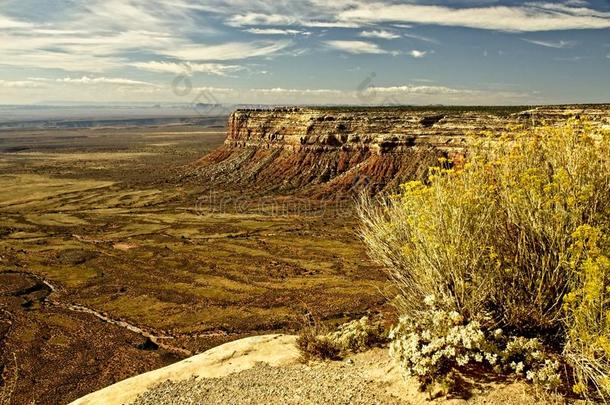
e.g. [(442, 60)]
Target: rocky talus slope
[(329, 152)]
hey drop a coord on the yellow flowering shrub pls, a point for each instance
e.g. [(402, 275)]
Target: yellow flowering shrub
[(515, 238), (587, 308)]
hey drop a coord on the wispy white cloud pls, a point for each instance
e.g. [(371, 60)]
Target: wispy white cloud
[(420, 38), (569, 58), (263, 19), (553, 44), (89, 80), (429, 90), (422, 80), (101, 35), (86, 80), (6, 22), (577, 2), (88, 89), (20, 84), (284, 91), (356, 47), (276, 31), (528, 17), (242, 20), (226, 51), (188, 68), (88, 37), (418, 54), (372, 95), (103, 42), (382, 34), (329, 24), (81, 43), (54, 60)]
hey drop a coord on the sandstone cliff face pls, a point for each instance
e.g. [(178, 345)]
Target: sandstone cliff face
[(324, 152)]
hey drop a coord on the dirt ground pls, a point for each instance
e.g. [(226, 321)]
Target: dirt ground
[(113, 263)]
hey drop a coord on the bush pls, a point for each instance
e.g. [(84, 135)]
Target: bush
[(587, 317), (515, 237), (314, 346), (356, 336), (431, 346), (438, 343), (359, 335), (528, 357)]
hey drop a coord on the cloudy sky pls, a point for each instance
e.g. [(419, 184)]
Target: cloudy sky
[(305, 51)]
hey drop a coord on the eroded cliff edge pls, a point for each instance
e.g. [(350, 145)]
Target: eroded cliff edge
[(323, 152)]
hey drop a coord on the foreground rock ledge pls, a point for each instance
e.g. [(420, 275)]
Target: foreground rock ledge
[(266, 369), (232, 357)]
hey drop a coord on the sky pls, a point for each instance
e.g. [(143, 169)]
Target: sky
[(366, 52)]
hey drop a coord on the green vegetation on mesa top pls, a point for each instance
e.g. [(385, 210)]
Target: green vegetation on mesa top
[(495, 110), (500, 111)]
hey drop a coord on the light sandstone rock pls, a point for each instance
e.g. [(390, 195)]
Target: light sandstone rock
[(232, 357)]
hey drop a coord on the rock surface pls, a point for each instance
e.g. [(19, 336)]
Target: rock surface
[(329, 152), (266, 370), (275, 350)]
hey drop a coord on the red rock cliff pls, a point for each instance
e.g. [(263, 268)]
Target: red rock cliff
[(324, 152)]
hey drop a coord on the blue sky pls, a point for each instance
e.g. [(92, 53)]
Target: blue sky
[(305, 52)]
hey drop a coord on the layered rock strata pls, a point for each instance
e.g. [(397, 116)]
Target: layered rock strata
[(329, 152)]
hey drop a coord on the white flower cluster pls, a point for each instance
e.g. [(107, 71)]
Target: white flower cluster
[(437, 342), (440, 341), (359, 335), (527, 357), (547, 376)]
